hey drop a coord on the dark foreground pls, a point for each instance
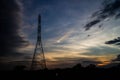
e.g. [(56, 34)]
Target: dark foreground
[(63, 74)]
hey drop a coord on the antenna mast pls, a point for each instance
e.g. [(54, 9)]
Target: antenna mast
[(38, 60)]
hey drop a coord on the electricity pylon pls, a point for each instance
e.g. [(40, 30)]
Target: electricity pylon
[(38, 61)]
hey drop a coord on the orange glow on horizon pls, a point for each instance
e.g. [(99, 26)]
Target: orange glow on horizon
[(103, 63)]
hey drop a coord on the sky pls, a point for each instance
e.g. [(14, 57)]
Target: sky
[(73, 31)]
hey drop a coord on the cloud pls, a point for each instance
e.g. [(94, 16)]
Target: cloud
[(110, 9), (63, 62), (117, 59), (89, 25), (68, 62), (114, 62), (115, 41), (92, 62), (11, 21)]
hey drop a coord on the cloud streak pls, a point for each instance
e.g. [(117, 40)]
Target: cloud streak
[(110, 9), (115, 41)]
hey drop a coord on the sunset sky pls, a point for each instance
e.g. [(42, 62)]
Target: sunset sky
[(73, 31)]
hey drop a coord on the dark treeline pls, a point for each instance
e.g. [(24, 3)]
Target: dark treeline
[(77, 72)]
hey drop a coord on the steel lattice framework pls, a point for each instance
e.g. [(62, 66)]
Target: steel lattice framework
[(38, 61)]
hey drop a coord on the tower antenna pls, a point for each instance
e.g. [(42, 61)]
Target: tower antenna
[(38, 60)]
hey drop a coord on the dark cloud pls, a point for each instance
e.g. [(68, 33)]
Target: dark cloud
[(100, 25), (92, 62), (10, 23), (117, 59), (111, 8), (114, 41), (89, 25)]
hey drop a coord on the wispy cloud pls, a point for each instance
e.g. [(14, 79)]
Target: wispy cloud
[(110, 9), (66, 35)]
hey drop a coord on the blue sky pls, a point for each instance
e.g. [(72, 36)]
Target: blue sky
[(64, 37)]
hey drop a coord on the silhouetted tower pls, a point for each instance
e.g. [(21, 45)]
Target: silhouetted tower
[(38, 61)]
